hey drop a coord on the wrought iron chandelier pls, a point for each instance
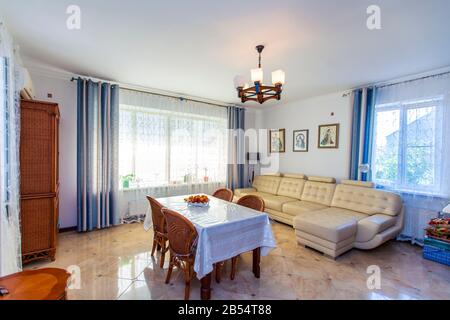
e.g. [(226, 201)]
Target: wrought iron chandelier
[(260, 92)]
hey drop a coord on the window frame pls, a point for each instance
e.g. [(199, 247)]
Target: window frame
[(6, 181), (168, 116), (403, 106)]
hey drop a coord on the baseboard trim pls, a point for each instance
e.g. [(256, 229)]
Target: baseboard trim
[(68, 229)]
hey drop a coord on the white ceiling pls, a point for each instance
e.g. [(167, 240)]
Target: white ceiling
[(197, 47)]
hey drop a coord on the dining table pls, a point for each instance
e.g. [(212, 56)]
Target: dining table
[(225, 230)]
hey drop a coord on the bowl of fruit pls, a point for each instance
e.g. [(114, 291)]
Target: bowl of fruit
[(197, 201)]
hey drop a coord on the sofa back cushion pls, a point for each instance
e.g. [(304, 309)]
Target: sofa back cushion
[(318, 192), (295, 175), (291, 187), (272, 174), (322, 179), (268, 184), (366, 200), (366, 184)]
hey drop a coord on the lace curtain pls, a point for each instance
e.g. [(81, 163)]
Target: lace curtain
[(411, 148), (11, 80), (168, 146)]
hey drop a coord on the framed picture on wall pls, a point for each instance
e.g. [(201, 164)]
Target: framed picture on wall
[(300, 140), (277, 141), (328, 136)]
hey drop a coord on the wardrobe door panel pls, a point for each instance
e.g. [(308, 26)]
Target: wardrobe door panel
[(39, 179)]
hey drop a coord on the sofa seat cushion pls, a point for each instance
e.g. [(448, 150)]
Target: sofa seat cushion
[(276, 202), (369, 227), (244, 191), (272, 201), (280, 216), (332, 224), (260, 194), (256, 193), (296, 207)]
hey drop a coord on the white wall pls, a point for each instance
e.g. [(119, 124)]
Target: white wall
[(303, 114), (64, 93), (309, 114)]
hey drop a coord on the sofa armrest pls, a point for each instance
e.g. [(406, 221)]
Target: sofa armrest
[(243, 191), (369, 227)]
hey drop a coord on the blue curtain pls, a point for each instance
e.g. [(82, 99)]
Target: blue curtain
[(236, 148), (97, 154), (362, 133)]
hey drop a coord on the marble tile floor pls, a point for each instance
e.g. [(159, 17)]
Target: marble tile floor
[(116, 264)]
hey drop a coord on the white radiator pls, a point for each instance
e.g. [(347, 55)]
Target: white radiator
[(136, 208), (419, 210)]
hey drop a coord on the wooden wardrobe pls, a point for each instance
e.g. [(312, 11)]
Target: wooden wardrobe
[(39, 179)]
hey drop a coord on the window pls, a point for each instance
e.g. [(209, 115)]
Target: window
[(6, 185), (406, 140), (167, 148)]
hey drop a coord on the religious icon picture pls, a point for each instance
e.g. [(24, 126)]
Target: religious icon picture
[(329, 136), (276, 141), (300, 140)]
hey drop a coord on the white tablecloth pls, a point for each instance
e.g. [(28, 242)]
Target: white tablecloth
[(225, 230)]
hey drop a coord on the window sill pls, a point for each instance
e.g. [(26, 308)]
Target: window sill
[(172, 186), (412, 193)]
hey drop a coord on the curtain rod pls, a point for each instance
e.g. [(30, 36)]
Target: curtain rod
[(175, 97), (161, 94), (346, 94), (412, 80)]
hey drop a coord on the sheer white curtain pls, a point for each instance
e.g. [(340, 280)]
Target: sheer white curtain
[(10, 85), (168, 146), (411, 148)]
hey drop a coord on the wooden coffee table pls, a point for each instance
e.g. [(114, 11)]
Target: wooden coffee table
[(41, 284)]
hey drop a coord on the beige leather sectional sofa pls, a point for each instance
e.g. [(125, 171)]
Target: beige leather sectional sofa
[(329, 217)]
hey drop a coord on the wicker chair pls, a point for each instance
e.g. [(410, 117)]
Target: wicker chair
[(159, 229), (183, 239), (224, 194), (252, 202)]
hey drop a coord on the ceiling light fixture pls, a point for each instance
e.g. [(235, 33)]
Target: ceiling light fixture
[(260, 92)]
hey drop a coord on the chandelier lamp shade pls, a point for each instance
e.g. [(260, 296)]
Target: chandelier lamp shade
[(259, 92)]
